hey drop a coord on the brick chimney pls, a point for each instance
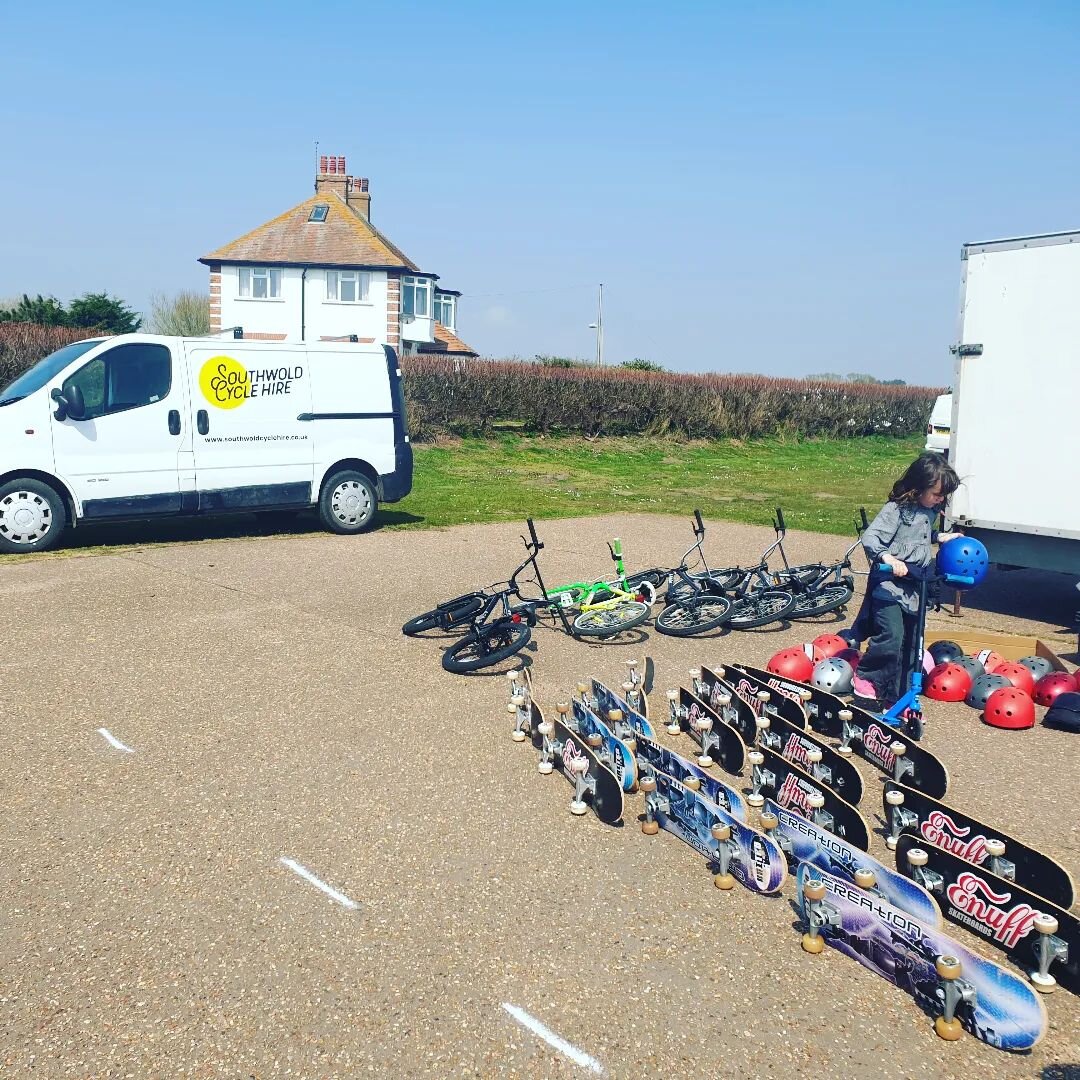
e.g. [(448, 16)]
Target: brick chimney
[(353, 189)]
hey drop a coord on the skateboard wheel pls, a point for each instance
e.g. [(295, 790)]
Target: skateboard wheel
[(546, 727), (813, 943), (917, 857), (947, 967), (518, 701), (764, 695), (512, 706), (692, 782), (694, 673), (705, 761), (721, 831), (725, 700), (631, 745), (650, 828), (865, 879), (815, 801), (647, 784), (805, 695), (563, 708), (673, 695), (631, 664), (845, 715), (513, 676), (755, 800), (890, 842), (702, 723), (518, 735), (1046, 924), (894, 798), (755, 757), (577, 807), (814, 889), (615, 715), (769, 821), (995, 848), (545, 768), (845, 750), (673, 730), (582, 688), (579, 765), (813, 755), (595, 740), (949, 1030), (723, 881), (762, 722), (898, 748)]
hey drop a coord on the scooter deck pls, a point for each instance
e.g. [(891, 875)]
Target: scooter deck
[(803, 841), (1005, 1011), (940, 826), (999, 911)]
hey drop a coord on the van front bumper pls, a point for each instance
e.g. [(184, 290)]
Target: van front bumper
[(397, 484)]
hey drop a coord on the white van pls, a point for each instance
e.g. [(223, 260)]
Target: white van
[(939, 427), (141, 426)]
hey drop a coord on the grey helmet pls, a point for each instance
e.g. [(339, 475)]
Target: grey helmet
[(972, 666), (983, 687), (833, 675), (945, 652), (1037, 665)]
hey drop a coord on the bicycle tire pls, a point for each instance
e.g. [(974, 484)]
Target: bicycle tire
[(761, 608), (454, 612), (609, 621), (486, 646), (694, 616), (828, 598)]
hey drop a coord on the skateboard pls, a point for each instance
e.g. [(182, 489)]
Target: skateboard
[(724, 699), (961, 990), (654, 757), (1038, 936), (565, 750), (793, 789), (803, 841), (940, 826), (607, 746), (776, 700), (868, 736), (739, 852), (717, 740)]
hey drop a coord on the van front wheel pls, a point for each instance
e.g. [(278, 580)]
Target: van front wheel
[(348, 502), (32, 517)]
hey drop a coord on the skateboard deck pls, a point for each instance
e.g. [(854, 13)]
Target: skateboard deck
[(940, 826), (803, 841), (718, 741), (1000, 912), (607, 746), (739, 713), (654, 757), (994, 1005), (744, 854), (868, 736), (781, 702), (794, 789)]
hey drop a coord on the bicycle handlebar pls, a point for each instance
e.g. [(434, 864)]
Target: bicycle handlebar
[(699, 525), (532, 535), (779, 525)]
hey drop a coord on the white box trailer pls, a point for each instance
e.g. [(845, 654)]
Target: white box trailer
[(1015, 437)]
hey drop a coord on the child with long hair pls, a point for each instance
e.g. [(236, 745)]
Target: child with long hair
[(901, 537)]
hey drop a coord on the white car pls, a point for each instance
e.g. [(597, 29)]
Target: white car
[(939, 427)]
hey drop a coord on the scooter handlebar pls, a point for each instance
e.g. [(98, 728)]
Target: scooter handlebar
[(949, 579)]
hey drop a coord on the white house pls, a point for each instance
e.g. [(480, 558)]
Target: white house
[(322, 271)]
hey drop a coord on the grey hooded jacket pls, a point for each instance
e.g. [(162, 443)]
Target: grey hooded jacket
[(907, 533)]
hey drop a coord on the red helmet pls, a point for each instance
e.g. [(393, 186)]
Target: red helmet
[(1049, 686), (990, 660), (829, 645), (948, 682), (1017, 674), (1009, 708), (792, 663)]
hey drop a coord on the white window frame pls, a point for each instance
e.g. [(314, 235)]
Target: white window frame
[(253, 279), (359, 279), (416, 287), (444, 302)]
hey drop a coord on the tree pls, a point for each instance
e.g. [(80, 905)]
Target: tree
[(187, 314), (43, 310), (99, 311)]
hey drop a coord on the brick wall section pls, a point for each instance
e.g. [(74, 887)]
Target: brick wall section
[(264, 337), (215, 297), (393, 311)]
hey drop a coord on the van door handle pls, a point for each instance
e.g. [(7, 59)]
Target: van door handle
[(174, 421), (202, 420)]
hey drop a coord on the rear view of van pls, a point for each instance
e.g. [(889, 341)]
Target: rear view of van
[(939, 427)]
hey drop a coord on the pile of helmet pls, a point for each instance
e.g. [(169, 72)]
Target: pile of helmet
[(828, 663), (1005, 691)]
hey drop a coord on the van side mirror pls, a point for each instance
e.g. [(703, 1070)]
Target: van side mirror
[(70, 405)]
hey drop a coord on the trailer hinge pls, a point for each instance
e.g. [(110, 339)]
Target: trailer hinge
[(966, 350)]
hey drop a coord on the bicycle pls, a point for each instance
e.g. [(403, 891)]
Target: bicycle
[(695, 603)]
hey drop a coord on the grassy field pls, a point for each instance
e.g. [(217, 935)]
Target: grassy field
[(820, 484)]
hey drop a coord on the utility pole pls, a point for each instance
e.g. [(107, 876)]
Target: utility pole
[(598, 326)]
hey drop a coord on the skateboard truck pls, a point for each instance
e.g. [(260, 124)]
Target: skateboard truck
[(631, 694), (673, 727), (818, 816), (1048, 948), (818, 914), (930, 880), (758, 776), (951, 991), (520, 705), (998, 863), (696, 685), (899, 818), (577, 768), (848, 732)]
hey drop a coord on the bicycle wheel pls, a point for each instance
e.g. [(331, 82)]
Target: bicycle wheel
[(694, 616), (761, 608), (608, 621), (486, 645), (828, 598), (454, 613)]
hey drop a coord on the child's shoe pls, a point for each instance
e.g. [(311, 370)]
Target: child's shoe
[(866, 696)]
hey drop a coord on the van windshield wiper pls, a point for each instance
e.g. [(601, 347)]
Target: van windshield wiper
[(12, 400)]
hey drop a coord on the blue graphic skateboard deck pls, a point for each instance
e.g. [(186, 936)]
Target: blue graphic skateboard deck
[(611, 750)]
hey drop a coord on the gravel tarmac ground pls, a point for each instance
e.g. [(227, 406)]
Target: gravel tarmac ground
[(274, 711)]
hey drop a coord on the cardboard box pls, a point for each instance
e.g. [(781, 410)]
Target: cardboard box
[(1011, 646)]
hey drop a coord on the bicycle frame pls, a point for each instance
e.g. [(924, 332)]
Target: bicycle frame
[(582, 595), (818, 574)]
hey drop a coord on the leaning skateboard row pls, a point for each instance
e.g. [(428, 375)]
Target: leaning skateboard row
[(889, 919)]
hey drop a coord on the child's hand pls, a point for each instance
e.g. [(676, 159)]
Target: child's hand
[(898, 566), (944, 538)]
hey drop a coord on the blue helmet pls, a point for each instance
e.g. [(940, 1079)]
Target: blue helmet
[(963, 557)]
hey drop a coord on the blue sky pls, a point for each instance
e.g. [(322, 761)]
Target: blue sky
[(779, 187)]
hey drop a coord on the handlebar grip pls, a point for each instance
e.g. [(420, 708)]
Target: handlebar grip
[(780, 519), (885, 568), (864, 518), (959, 579), (616, 548)]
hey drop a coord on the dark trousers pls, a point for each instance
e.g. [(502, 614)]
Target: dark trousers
[(889, 657)]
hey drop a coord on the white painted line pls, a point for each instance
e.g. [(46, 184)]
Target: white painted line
[(307, 875), (578, 1057), (114, 742)]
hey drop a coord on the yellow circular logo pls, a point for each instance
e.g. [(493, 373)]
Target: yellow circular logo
[(224, 382)]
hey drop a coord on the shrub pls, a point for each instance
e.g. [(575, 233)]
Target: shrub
[(24, 344)]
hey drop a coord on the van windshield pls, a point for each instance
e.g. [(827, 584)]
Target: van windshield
[(45, 369)]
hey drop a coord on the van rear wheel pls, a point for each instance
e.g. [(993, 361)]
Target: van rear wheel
[(32, 517), (348, 502)]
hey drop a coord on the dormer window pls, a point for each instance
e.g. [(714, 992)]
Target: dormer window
[(415, 296), (446, 309)]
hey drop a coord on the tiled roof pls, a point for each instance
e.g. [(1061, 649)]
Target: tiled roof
[(446, 341), (343, 239)]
